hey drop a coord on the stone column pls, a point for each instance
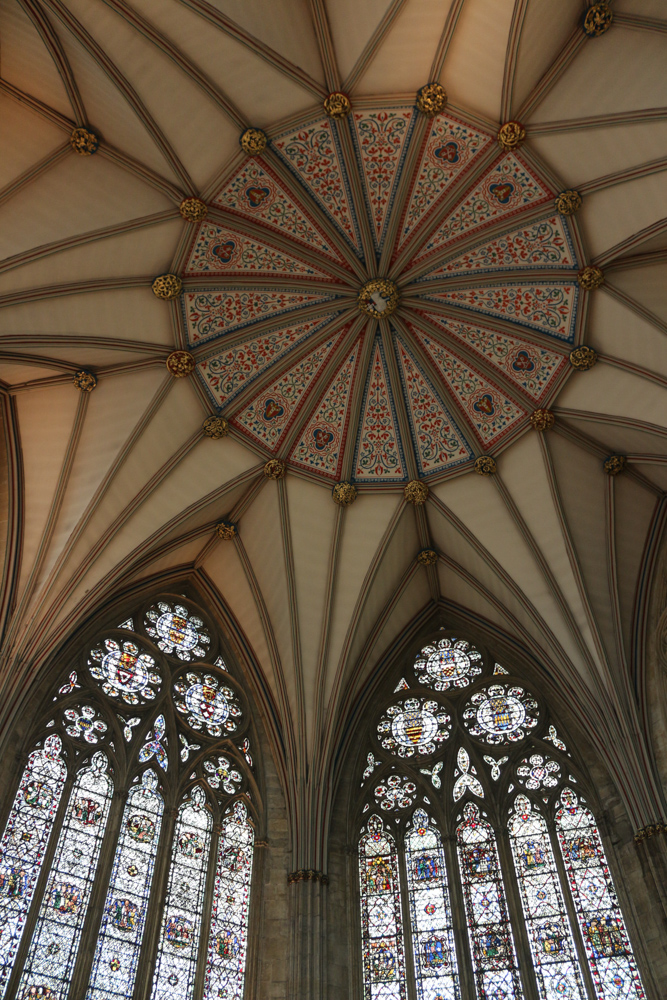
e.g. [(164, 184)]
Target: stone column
[(307, 908)]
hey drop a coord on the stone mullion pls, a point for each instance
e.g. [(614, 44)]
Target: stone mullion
[(459, 920), (146, 964), (253, 929), (571, 912), (408, 944), (90, 930), (33, 912), (515, 913), (198, 987)]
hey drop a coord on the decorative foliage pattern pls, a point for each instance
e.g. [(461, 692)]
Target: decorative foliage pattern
[(321, 444), (543, 244), (449, 150), (436, 971), (550, 309), (533, 368), (184, 902), (124, 916), (24, 844), (313, 154), (487, 408), (256, 193), (379, 455), (219, 251), (610, 956), (207, 704), (500, 714), (228, 940), (125, 671), (176, 631), (438, 442), (489, 930), (448, 663), (381, 138), (226, 374), (211, 314), (274, 410), (549, 933), (55, 940), (381, 922), (414, 726), (509, 186)]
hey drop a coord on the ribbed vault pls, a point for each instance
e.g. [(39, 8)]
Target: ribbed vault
[(112, 486)]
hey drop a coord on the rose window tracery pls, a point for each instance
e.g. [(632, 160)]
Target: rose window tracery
[(207, 704), (414, 726), (500, 714), (125, 671)]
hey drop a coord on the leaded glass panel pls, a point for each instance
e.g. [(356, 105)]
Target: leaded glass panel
[(549, 932), (448, 663), (55, 940), (207, 705), (434, 950), (124, 918), (177, 631), (414, 726), (491, 940), (381, 922), (500, 714), (228, 941), (610, 957), (184, 901), (24, 843)]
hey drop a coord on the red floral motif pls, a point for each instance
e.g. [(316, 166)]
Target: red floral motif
[(223, 251), (381, 140), (378, 455)]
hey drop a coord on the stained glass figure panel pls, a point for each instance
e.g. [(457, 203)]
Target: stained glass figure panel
[(381, 922), (24, 843), (184, 902), (500, 714), (207, 705), (448, 663), (55, 940), (124, 916), (414, 726), (608, 949), (228, 940), (491, 940), (436, 970), (552, 945)]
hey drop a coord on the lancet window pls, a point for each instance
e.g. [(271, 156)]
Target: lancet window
[(482, 872), (127, 852)]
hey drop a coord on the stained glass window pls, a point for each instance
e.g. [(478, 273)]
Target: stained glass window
[(537, 772), (381, 921), (177, 631), (23, 845), (123, 922), (125, 671), (466, 777), (448, 663), (414, 726), (184, 901), (610, 957), (436, 972), (491, 940), (228, 941), (55, 940), (207, 704), (549, 932), (396, 792), (500, 714)]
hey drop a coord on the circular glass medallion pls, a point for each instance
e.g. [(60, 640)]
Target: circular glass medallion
[(413, 726), (124, 670), (500, 714), (448, 663), (207, 704), (176, 631)]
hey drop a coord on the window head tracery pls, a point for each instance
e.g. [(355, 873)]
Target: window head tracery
[(151, 708), (460, 747)]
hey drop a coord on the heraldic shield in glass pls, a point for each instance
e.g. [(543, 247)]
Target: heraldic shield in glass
[(476, 809), (79, 882)]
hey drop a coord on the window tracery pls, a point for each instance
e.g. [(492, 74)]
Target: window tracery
[(152, 712), (457, 736)]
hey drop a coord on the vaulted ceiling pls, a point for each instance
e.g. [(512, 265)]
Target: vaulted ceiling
[(117, 484)]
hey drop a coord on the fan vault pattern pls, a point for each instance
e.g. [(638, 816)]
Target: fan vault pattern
[(307, 392)]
